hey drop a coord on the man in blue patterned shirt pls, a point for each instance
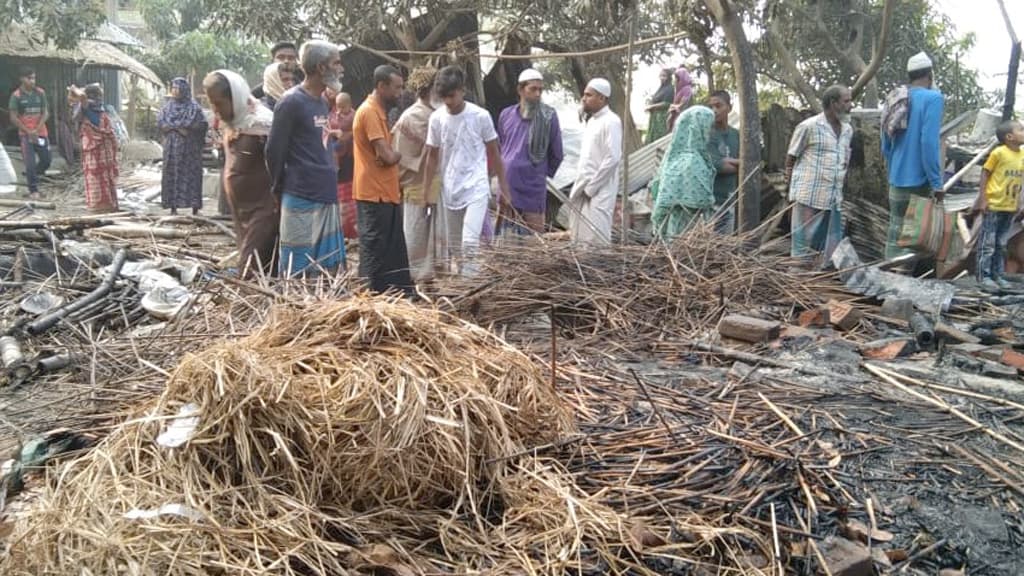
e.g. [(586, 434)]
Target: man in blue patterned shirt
[(818, 157)]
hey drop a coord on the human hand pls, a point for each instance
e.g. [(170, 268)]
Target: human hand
[(939, 195)]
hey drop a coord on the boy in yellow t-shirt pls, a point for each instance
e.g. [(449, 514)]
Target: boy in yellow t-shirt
[(999, 202)]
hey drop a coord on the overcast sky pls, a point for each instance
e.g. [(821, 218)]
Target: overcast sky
[(991, 54)]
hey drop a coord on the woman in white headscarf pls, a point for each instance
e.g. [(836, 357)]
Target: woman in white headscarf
[(278, 78), (247, 181)]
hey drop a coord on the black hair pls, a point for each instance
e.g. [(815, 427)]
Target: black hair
[(93, 90), (831, 95), (449, 80), (282, 46), (26, 71), (382, 74), (1005, 129), (721, 95), (918, 74)]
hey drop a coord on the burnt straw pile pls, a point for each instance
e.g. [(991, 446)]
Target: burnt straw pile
[(634, 293), (335, 438)]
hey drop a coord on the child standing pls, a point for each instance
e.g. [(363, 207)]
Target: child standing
[(999, 203)]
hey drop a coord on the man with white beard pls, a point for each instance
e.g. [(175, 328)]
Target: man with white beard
[(816, 165), (303, 173)]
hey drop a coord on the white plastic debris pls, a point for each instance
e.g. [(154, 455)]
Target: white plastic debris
[(165, 510), (165, 302), (181, 428)]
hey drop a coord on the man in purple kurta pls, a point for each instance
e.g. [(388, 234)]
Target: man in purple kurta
[(531, 148)]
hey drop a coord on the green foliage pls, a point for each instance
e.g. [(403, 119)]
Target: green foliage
[(168, 19), (829, 39), (64, 22), (197, 52), (938, 39)]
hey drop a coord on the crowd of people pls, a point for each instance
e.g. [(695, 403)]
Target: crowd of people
[(424, 190)]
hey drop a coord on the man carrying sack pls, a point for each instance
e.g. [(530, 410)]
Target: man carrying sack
[(912, 154)]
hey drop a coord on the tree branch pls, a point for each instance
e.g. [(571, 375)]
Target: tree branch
[(794, 78), (437, 31), (876, 58)]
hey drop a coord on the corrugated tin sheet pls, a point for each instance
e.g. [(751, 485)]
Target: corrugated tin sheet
[(643, 163)]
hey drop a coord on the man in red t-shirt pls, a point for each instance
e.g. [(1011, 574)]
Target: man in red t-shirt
[(29, 114)]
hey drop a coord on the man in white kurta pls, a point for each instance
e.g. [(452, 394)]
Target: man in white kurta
[(592, 200)]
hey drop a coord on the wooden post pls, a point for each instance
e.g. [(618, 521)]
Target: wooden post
[(133, 90), (1011, 81), (627, 122), (1015, 57)]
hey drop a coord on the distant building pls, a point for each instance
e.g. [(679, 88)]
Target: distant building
[(97, 59)]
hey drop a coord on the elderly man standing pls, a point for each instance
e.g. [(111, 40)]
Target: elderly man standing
[(592, 200), (819, 155), (531, 147), (301, 168), (383, 260), (911, 144)]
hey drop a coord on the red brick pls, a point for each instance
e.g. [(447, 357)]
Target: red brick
[(844, 316), (814, 318), (1013, 358)]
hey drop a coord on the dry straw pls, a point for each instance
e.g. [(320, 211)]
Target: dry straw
[(316, 433)]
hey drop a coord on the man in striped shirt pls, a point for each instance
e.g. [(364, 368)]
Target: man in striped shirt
[(818, 157)]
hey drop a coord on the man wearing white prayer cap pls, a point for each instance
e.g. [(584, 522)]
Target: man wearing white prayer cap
[(531, 148), (592, 200), (913, 154)]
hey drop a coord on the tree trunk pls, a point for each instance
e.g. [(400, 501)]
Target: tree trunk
[(867, 74), (795, 79), (726, 13)]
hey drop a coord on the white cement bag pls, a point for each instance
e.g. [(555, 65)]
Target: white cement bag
[(8, 177)]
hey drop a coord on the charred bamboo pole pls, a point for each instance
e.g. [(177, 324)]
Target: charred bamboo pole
[(50, 320), (54, 363), (924, 331)]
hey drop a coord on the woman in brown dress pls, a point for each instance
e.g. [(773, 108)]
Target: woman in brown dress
[(247, 184)]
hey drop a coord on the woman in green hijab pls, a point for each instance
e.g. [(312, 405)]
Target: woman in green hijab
[(683, 190)]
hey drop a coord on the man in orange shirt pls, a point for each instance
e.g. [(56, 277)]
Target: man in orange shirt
[(383, 260)]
